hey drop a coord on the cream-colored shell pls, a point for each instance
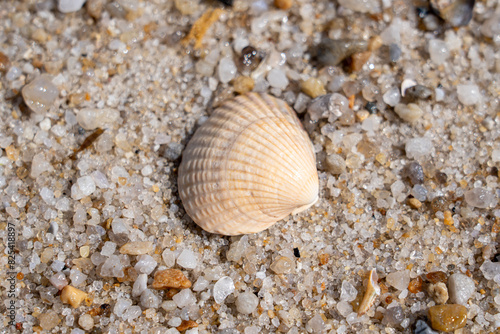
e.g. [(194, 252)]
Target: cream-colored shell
[(248, 166)]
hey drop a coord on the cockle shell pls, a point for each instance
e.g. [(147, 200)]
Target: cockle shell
[(248, 166)]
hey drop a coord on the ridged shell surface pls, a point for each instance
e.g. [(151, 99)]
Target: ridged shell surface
[(248, 166)]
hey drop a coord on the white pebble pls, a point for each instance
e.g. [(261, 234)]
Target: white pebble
[(223, 288), (344, 308), (147, 170), (132, 313), (226, 70), (246, 302), (175, 322), (86, 321), (145, 264), (108, 249), (100, 179), (469, 94), (438, 51), (86, 185), (48, 196), (187, 259), (149, 299), (371, 124), (168, 257), (121, 306), (45, 124), (13, 73), (39, 165), (479, 198), (277, 79), (69, 6), (140, 285), (316, 324), (92, 118), (184, 298), (418, 147), (461, 288), (348, 292), (392, 96), (57, 265), (77, 277), (439, 94), (168, 305), (364, 6), (112, 267), (200, 284), (399, 279), (495, 155)]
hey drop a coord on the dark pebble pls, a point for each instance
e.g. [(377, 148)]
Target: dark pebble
[(332, 52), (439, 203), (4, 62), (441, 177), (496, 258), (371, 107), (422, 12), (421, 327), (418, 92), (250, 58), (457, 13), (414, 172), (296, 252), (394, 52), (227, 2)]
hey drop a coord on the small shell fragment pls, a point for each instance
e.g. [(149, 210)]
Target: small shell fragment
[(250, 165), (407, 83), (372, 291)]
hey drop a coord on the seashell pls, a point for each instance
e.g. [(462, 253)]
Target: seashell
[(407, 83), (372, 291), (248, 166)]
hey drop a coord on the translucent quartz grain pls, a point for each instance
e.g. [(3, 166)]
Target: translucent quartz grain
[(40, 94)]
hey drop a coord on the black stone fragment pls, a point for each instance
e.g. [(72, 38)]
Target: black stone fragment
[(371, 107), (227, 2), (296, 252), (496, 258)]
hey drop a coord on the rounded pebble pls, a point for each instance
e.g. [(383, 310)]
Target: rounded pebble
[(86, 322), (461, 288), (246, 302), (69, 6), (448, 318), (479, 198), (335, 164), (40, 94), (469, 94), (408, 112)]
